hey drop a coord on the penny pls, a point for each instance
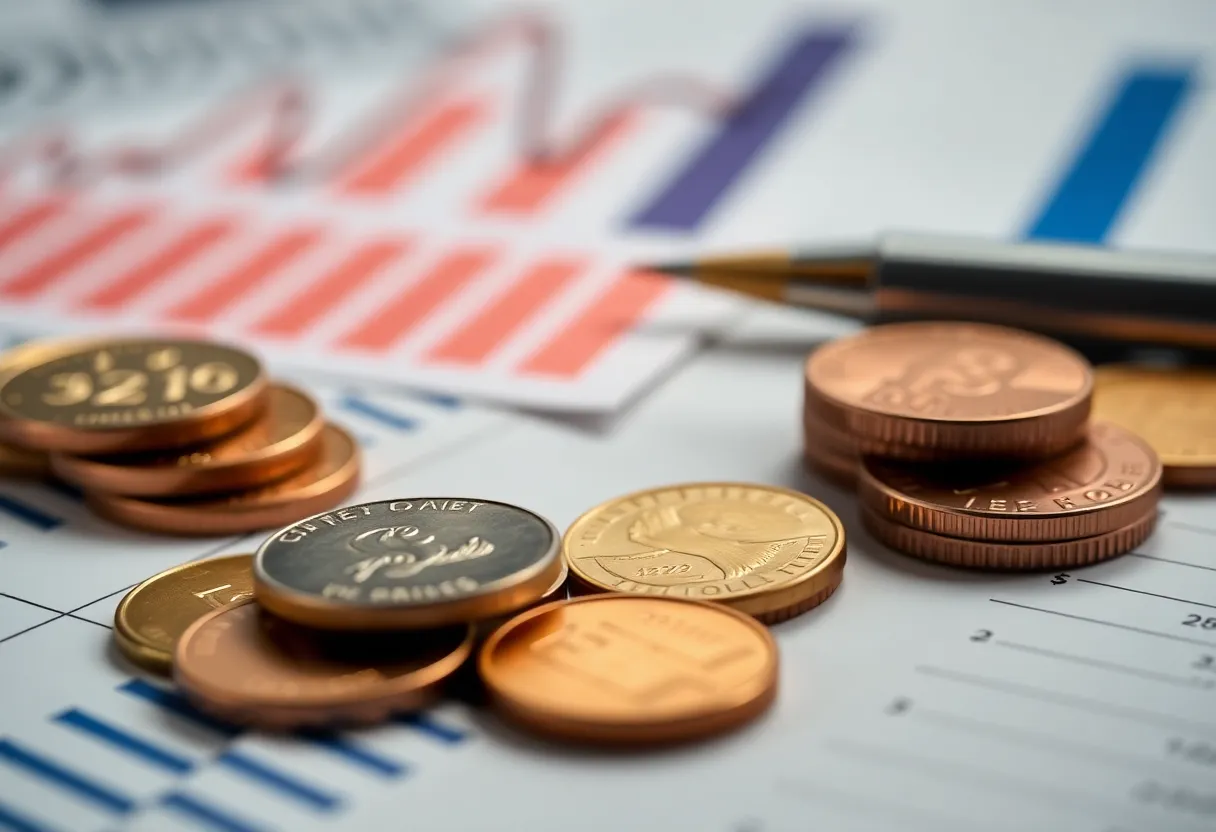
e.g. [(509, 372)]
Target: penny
[(128, 395), (1172, 409), (982, 554), (152, 617), (284, 438), (22, 463), (325, 483), (248, 667), (1107, 482), (405, 563), (766, 551), (630, 669), (956, 389)]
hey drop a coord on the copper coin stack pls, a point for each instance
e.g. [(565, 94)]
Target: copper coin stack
[(177, 436), (353, 615), (971, 445)]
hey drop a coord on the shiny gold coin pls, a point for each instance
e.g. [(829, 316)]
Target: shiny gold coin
[(284, 438), (983, 554), (630, 669), (770, 552), (1174, 410), (249, 667), (322, 485), (129, 395), (153, 616)]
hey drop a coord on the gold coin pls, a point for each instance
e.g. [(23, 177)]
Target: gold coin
[(282, 439), (322, 485), (770, 552), (128, 395), (630, 669), (1174, 410), (153, 616)]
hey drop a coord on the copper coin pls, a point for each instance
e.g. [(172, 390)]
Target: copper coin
[(284, 438), (129, 395), (1173, 409), (249, 667), (559, 590), (981, 554), (22, 463), (770, 552), (956, 389), (630, 669), (152, 616), (1104, 484), (324, 484)]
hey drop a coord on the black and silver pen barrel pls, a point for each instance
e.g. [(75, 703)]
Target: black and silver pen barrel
[(1077, 292)]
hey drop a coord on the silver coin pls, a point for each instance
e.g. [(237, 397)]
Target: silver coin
[(407, 563)]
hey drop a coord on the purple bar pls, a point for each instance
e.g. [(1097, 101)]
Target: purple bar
[(803, 66)]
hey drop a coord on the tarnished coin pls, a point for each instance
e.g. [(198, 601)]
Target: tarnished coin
[(248, 667), (284, 438), (1174, 410), (955, 389), (630, 669), (1108, 482), (412, 562), (770, 552), (128, 395), (325, 483), (153, 616), (985, 554)]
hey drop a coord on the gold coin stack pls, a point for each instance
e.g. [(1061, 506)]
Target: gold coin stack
[(177, 436), (971, 445), (352, 615)]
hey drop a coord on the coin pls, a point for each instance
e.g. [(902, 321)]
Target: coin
[(128, 395), (1109, 481), (983, 554), (630, 669), (1172, 409), (411, 562), (153, 616), (22, 463), (246, 666), (325, 483), (955, 389), (559, 590), (770, 552), (284, 438)]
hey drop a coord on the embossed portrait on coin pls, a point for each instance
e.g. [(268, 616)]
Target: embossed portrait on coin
[(707, 541), (398, 553)]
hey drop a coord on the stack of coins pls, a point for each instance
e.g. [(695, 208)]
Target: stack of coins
[(349, 616), (971, 445), (171, 435)]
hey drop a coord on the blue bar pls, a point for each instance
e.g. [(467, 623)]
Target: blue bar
[(124, 741), (1097, 183), (28, 514), (10, 821), (444, 733), (175, 704), (441, 399), (358, 404), (358, 755), (198, 811), (283, 783), (56, 774), (805, 65)]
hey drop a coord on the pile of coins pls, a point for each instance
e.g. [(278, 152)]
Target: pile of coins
[(171, 435), (971, 445), (349, 616)]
